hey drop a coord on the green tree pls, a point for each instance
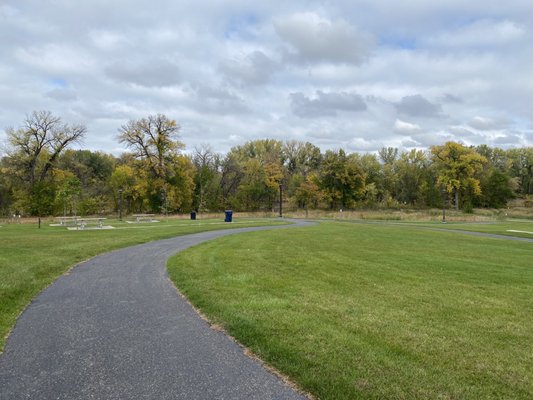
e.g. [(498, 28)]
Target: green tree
[(155, 145), (458, 169), (67, 192), (411, 170), (521, 161), (498, 189), (261, 172), (342, 180)]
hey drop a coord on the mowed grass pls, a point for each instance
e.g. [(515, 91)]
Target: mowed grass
[(362, 311), (31, 258), (518, 228)]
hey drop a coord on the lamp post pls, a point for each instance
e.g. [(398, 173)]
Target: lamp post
[(280, 201), (443, 191), (164, 202), (120, 204)]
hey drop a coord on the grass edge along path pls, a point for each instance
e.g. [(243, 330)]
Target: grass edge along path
[(31, 259), (367, 311)]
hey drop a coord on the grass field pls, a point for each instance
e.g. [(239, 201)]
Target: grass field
[(374, 311), (31, 258), (508, 227), (519, 228)]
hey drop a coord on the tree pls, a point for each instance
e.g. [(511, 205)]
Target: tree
[(498, 189), (207, 190), (34, 151), (458, 167), (342, 180), (260, 163), (301, 157), (388, 154), (154, 142), (522, 168), (308, 193), (231, 177), (410, 170), (68, 189)]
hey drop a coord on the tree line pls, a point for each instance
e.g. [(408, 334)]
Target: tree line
[(41, 175)]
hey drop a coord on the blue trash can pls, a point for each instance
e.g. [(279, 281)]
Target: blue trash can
[(229, 216), (193, 215)]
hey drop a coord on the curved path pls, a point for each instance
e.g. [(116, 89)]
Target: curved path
[(116, 328)]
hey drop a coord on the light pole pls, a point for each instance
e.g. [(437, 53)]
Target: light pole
[(280, 201), (120, 204), (164, 202), (443, 191)]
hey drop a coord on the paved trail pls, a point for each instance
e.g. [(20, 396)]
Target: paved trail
[(115, 328)]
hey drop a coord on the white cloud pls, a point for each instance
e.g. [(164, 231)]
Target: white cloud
[(481, 33), (254, 69), (313, 38), (153, 72), (326, 104), (406, 128), (418, 106), (362, 73), (487, 124)]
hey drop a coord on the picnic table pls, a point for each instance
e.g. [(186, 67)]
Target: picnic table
[(68, 221), (143, 217), (83, 222)]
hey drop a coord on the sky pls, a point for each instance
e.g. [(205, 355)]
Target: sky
[(351, 74)]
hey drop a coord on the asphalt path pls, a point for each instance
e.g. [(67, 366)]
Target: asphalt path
[(116, 328)]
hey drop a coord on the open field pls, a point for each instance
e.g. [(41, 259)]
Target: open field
[(518, 228), (374, 311), (407, 214), (31, 258)]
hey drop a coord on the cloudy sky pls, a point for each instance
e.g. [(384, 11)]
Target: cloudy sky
[(356, 74)]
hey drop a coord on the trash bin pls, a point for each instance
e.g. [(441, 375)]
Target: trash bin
[(193, 215), (229, 215)]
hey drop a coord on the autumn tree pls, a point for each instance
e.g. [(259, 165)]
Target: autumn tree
[(308, 193), (342, 179), (261, 163), (458, 168), (410, 170), (155, 143), (522, 168), (207, 179), (35, 148)]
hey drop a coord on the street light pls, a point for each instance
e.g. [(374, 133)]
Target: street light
[(120, 204), (164, 202), (443, 191), (280, 201)]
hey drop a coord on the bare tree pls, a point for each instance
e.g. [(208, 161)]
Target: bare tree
[(154, 140), (206, 164), (37, 145)]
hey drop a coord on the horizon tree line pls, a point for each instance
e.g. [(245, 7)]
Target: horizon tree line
[(41, 175)]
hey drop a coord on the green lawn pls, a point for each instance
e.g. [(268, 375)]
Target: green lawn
[(508, 228), (374, 311), (519, 228), (31, 258)]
